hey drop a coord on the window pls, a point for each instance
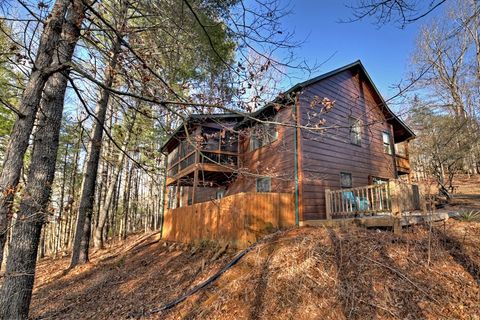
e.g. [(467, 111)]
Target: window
[(229, 142), (262, 135), (346, 180), (172, 197), (190, 197), (180, 200), (355, 131), (219, 194), (377, 180), (264, 184), (387, 146), (254, 143)]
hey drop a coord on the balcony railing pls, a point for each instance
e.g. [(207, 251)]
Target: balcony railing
[(385, 198), (211, 160), (402, 163)]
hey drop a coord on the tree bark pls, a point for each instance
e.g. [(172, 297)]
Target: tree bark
[(84, 217), (16, 291), (28, 107)]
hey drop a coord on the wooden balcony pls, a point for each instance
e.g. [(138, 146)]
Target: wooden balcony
[(211, 163), (402, 164)]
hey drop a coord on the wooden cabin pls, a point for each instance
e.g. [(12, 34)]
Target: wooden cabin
[(333, 132)]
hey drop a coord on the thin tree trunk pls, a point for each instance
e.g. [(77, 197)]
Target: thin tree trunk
[(84, 217), (58, 233), (113, 216), (28, 107), (126, 200), (72, 188), (41, 247), (102, 217), (16, 292)]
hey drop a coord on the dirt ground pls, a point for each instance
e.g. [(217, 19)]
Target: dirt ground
[(307, 273)]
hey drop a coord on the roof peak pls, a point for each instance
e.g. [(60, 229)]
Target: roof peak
[(330, 73)]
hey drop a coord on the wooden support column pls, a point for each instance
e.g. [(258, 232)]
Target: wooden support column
[(396, 209), (328, 204), (298, 120)]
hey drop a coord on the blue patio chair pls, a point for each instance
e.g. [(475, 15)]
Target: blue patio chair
[(357, 203)]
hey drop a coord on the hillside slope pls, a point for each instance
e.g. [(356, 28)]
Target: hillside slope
[(307, 273)]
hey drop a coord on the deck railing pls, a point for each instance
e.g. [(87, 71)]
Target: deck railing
[(386, 198), (223, 159)]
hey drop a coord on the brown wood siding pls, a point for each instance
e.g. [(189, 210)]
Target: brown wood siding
[(326, 154), (275, 160)]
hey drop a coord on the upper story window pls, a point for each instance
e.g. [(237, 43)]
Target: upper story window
[(387, 145), (216, 139), (262, 135), (346, 180), (355, 131), (264, 184)]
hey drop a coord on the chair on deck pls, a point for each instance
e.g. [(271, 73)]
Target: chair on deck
[(356, 203)]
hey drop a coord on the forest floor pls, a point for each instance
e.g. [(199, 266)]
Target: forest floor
[(306, 273)]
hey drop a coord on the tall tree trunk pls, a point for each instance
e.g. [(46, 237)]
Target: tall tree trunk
[(84, 217), (126, 200), (28, 107), (72, 189), (16, 292), (58, 232), (102, 216)]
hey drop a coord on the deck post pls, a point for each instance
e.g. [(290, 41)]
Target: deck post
[(396, 210), (328, 204)]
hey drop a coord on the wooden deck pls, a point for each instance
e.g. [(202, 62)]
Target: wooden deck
[(393, 198), (378, 221)]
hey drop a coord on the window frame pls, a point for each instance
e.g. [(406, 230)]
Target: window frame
[(379, 180), (259, 180), (355, 131), (219, 194), (171, 197), (267, 139), (384, 144), (341, 180)]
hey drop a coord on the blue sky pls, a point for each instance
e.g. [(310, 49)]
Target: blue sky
[(385, 51)]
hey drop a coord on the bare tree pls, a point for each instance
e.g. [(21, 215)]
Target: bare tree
[(17, 287), (400, 12), (19, 138), (83, 229)]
